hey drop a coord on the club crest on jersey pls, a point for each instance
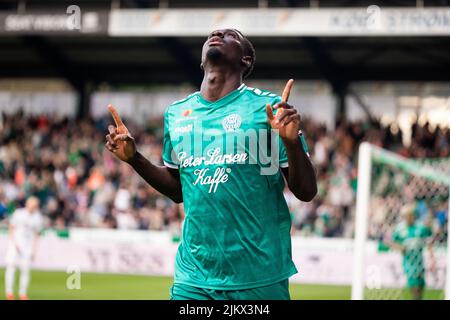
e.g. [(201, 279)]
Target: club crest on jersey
[(231, 122)]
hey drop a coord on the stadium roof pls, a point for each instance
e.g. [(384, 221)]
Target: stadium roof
[(47, 4), (92, 59), (147, 60)]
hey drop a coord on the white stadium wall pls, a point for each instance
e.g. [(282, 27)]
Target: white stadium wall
[(319, 260), (61, 104)]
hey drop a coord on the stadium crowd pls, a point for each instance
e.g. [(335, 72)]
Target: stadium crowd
[(331, 213), (81, 184)]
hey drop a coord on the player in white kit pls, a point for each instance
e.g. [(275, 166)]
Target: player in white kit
[(24, 229)]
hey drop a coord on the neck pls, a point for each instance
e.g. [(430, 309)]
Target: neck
[(219, 81)]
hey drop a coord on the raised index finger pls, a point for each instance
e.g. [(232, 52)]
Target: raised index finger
[(115, 116), (287, 90)]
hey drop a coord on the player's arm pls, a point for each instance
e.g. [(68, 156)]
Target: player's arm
[(394, 242), (165, 180), (430, 240), (35, 244), (120, 142), (396, 246), (431, 256), (300, 174), (11, 233)]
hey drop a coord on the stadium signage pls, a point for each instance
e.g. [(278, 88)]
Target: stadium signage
[(371, 21), (92, 22), (319, 260)]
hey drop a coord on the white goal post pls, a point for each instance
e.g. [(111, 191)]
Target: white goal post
[(368, 156)]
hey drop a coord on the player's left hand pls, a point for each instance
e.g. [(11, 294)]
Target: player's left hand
[(286, 120), (433, 267)]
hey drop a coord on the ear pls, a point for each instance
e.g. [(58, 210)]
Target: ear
[(201, 66), (247, 61)]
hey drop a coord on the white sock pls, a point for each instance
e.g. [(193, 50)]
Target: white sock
[(9, 279), (24, 280)]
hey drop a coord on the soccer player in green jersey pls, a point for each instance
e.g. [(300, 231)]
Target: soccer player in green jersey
[(224, 162), (410, 237)]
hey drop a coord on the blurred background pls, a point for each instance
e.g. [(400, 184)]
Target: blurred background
[(375, 71)]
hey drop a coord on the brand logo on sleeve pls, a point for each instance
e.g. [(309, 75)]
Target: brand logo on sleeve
[(184, 129)]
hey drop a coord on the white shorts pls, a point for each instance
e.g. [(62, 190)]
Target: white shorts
[(13, 257)]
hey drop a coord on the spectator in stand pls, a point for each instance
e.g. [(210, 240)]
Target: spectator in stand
[(80, 184)]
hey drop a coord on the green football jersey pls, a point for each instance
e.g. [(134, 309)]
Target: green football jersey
[(236, 231), (413, 238)]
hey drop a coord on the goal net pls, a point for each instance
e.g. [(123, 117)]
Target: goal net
[(401, 227)]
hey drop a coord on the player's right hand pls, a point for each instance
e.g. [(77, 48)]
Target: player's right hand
[(119, 141), (19, 252)]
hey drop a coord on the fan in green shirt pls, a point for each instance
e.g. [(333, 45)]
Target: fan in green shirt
[(410, 237), (226, 156)]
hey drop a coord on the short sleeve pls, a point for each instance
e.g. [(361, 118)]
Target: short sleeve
[(426, 231), (168, 155), (39, 223), (15, 218), (396, 236), (283, 154)]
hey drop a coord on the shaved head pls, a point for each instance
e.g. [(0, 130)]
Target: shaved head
[(230, 46), (32, 204)]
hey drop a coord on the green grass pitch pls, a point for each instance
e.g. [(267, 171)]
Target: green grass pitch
[(52, 286)]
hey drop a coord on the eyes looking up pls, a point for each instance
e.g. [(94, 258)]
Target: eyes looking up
[(226, 33)]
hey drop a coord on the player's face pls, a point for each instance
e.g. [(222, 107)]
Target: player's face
[(409, 218), (225, 45), (32, 205)]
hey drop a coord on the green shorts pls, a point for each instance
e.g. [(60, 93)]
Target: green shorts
[(415, 277), (416, 282), (277, 291)]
